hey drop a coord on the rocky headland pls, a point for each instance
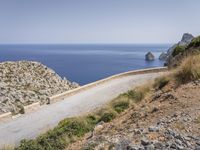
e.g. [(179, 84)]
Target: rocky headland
[(173, 54), (25, 82)]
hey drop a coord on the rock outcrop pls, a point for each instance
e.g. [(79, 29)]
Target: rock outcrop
[(186, 39), (163, 56), (26, 82), (182, 50), (149, 56)]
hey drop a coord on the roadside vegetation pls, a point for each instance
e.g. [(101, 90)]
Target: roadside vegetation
[(178, 50), (71, 129), (188, 71)]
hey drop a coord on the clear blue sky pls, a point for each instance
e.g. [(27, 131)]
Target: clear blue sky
[(97, 21)]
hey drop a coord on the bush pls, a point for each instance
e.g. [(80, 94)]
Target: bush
[(74, 126), (138, 94), (195, 42), (59, 137), (178, 50), (161, 82), (189, 70), (121, 105), (107, 115)]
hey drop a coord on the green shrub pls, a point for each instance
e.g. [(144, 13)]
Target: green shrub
[(189, 70), (120, 106), (161, 82), (74, 126), (195, 42), (29, 145), (92, 119), (107, 115), (59, 137), (138, 94), (178, 50)]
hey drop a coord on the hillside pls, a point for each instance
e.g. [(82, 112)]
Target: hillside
[(164, 114), (167, 119), (26, 82)]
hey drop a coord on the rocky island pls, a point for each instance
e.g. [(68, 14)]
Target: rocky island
[(149, 56), (25, 82)]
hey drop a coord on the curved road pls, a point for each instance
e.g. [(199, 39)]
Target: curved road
[(31, 125)]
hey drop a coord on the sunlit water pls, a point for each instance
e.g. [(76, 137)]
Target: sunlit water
[(85, 63)]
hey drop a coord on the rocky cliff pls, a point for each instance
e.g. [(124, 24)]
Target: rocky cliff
[(26, 82), (185, 40), (183, 49)]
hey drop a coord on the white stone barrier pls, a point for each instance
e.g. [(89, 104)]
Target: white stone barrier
[(32, 107), (5, 116), (66, 94)]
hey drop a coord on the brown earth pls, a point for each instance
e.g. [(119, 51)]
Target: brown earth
[(166, 119)]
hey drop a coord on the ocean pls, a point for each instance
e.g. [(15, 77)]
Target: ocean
[(85, 63)]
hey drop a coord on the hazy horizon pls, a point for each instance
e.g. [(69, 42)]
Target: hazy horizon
[(97, 22)]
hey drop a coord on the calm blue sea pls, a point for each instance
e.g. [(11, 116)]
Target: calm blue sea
[(85, 63)]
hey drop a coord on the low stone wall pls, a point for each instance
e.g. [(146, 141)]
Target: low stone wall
[(64, 95), (5, 116), (27, 109), (31, 107)]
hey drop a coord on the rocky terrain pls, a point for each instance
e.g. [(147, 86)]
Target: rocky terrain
[(167, 119), (185, 40), (26, 82)]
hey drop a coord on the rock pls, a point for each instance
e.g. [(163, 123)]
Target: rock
[(186, 39), (158, 145), (149, 56), (153, 129), (150, 147), (163, 56), (145, 142), (123, 144), (26, 82)]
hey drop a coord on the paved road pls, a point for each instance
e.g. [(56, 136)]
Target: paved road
[(31, 125)]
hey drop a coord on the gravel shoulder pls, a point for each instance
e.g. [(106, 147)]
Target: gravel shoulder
[(31, 125)]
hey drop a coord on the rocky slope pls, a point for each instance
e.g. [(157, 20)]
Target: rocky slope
[(185, 40), (181, 52), (168, 119), (26, 82)]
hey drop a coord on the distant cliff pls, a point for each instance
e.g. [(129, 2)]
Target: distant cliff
[(187, 46), (25, 82)]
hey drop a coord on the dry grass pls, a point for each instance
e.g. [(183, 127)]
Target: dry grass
[(161, 82), (189, 70), (197, 120)]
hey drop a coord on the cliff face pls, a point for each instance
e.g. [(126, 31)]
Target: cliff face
[(186, 39), (25, 82), (187, 46)]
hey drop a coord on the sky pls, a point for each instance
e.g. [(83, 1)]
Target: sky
[(97, 21)]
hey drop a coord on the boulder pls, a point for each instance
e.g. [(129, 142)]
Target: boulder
[(163, 56), (149, 56)]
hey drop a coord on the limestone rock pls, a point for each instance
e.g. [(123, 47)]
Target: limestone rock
[(26, 82), (149, 56), (163, 56), (186, 39)]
